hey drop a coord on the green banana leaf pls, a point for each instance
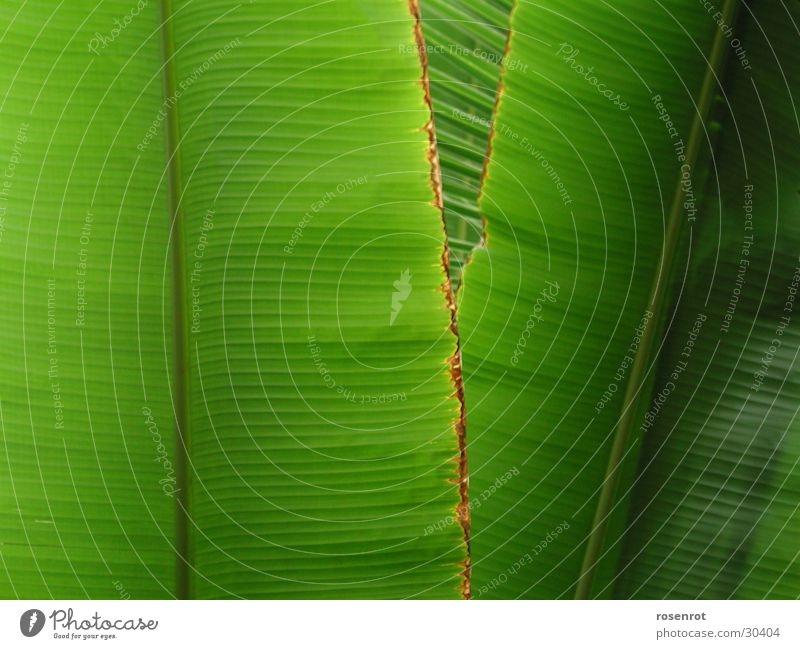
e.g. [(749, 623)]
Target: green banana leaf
[(605, 459), (716, 499), (233, 364), (87, 481), (232, 200)]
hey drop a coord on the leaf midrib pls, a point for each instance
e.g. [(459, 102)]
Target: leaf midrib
[(180, 342)]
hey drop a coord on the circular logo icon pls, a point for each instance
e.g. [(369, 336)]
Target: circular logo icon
[(31, 622)]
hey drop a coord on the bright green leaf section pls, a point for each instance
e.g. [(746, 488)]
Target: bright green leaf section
[(321, 407), (715, 512), (708, 508), (464, 44), (86, 443), (577, 191), (323, 453)]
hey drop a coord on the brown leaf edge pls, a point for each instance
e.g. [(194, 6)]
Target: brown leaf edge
[(459, 424)]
